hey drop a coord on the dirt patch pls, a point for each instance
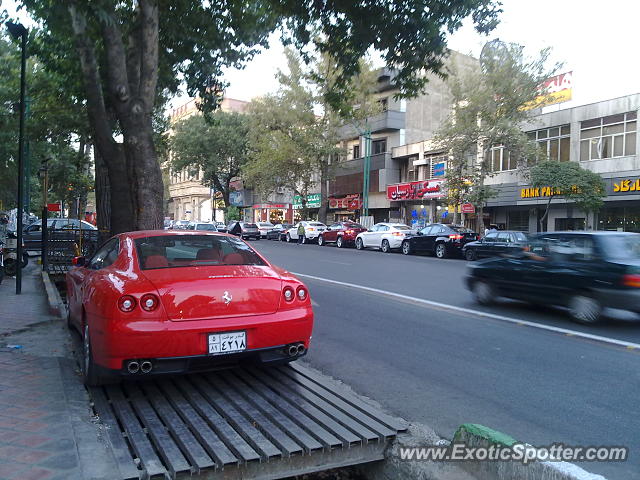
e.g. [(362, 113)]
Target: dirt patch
[(48, 339)]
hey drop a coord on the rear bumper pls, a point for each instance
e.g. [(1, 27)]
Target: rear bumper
[(113, 342), (620, 299)]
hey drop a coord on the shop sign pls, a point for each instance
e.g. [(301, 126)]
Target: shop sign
[(416, 190), (53, 207), (271, 205), (236, 198), (468, 208), (531, 192), (625, 185), (438, 169), (557, 90), (313, 201), (350, 202)]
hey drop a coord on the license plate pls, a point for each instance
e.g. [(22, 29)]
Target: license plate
[(223, 343)]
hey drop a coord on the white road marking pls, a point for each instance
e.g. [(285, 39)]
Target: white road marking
[(314, 303), (566, 331), (333, 261)]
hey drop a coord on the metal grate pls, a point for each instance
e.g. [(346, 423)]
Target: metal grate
[(253, 423)]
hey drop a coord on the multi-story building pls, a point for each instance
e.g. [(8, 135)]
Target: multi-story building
[(188, 198), (400, 123)]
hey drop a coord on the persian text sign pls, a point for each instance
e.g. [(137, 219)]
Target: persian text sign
[(416, 190), (626, 185), (350, 202)]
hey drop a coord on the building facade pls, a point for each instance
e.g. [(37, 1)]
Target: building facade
[(188, 198), (601, 137), (400, 123)]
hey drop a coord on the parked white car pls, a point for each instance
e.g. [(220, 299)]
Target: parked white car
[(311, 231), (264, 227), (208, 226), (385, 236)]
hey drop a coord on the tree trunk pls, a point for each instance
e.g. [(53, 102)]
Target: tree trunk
[(546, 213), (103, 195), (324, 201)]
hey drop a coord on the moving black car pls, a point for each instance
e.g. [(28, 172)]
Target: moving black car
[(494, 244), (439, 239), (279, 232), (584, 271)]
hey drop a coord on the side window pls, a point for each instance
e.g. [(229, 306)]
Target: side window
[(504, 237), (440, 229), (34, 228), (375, 228), (104, 256), (491, 237), (426, 230), (383, 228), (582, 248)]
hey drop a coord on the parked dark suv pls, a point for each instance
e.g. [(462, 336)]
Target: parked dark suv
[(494, 244), (243, 230), (439, 239), (583, 271)]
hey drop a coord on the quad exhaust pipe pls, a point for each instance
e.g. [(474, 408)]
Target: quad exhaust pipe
[(296, 349), (133, 366)]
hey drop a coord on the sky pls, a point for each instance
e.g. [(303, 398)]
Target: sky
[(595, 39)]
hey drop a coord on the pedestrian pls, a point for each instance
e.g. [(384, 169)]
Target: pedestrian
[(236, 229), (492, 228), (300, 233)]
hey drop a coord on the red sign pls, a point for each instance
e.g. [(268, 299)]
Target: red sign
[(468, 208), (350, 202), (271, 205), (416, 190), (53, 207)]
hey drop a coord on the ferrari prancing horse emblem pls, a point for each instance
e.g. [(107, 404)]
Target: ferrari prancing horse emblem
[(227, 298)]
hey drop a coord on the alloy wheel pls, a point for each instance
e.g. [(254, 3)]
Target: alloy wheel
[(483, 292), (359, 244), (584, 309), (385, 246), (470, 255), (406, 248), (441, 250), (288, 237), (339, 242), (320, 241)]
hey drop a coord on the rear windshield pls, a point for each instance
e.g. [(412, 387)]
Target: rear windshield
[(401, 227), (265, 224), (171, 251), (460, 229), (206, 226), (353, 225), (250, 225), (622, 247), (316, 224)]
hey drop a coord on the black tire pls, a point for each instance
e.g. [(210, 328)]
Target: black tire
[(10, 267), (1, 273), (340, 242), (483, 292), (441, 250), (470, 254), (406, 248), (321, 241), (258, 238), (385, 247), (359, 244), (585, 309), (69, 324), (89, 369), (288, 238)]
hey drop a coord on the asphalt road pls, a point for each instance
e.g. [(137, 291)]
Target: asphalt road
[(444, 368)]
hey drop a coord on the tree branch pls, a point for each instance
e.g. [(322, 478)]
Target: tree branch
[(149, 47), (95, 101)]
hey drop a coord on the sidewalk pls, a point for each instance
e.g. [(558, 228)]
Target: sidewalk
[(45, 418)]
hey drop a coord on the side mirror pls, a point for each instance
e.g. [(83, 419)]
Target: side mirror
[(79, 261)]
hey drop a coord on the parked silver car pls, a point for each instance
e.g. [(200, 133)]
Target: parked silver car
[(243, 230)]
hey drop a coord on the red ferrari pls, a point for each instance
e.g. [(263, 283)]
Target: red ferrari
[(154, 302)]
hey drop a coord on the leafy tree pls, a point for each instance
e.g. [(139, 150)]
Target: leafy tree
[(232, 213), (295, 131), (133, 53), (570, 181), (489, 106), (219, 148)]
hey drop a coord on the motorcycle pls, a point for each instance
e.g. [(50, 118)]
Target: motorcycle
[(10, 254)]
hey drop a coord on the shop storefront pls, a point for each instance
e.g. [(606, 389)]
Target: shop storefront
[(272, 212), (419, 203), (345, 208), (313, 201)]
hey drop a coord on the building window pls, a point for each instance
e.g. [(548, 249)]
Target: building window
[(500, 160), (378, 146), (384, 104), (356, 151), (518, 220), (608, 137), (554, 142)]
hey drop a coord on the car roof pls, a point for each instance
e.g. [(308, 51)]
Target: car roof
[(159, 233)]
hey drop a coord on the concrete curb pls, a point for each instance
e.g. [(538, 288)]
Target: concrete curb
[(56, 305)]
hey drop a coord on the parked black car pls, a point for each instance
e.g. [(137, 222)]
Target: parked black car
[(279, 232), (495, 244), (584, 271), (243, 230), (32, 235), (439, 239)]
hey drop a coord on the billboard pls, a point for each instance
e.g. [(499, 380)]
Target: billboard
[(416, 190), (558, 89)]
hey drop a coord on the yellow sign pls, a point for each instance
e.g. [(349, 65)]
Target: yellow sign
[(627, 185), (558, 89), (531, 192)]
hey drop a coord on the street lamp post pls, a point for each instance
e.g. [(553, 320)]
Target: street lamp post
[(17, 30)]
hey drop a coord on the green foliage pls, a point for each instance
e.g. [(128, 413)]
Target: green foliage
[(232, 213), (219, 148), (570, 181), (490, 104)]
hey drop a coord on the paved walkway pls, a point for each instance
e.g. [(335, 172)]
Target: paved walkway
[(46, 428)]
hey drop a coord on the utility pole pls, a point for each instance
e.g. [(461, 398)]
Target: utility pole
[(366, 172)]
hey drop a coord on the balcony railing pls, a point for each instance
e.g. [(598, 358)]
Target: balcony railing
[(387, 120)]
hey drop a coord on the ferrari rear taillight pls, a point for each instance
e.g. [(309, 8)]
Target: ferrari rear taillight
[(631, 280), (127, 303), (149, 302), (456, 237), (302, 293), (288, 294)]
